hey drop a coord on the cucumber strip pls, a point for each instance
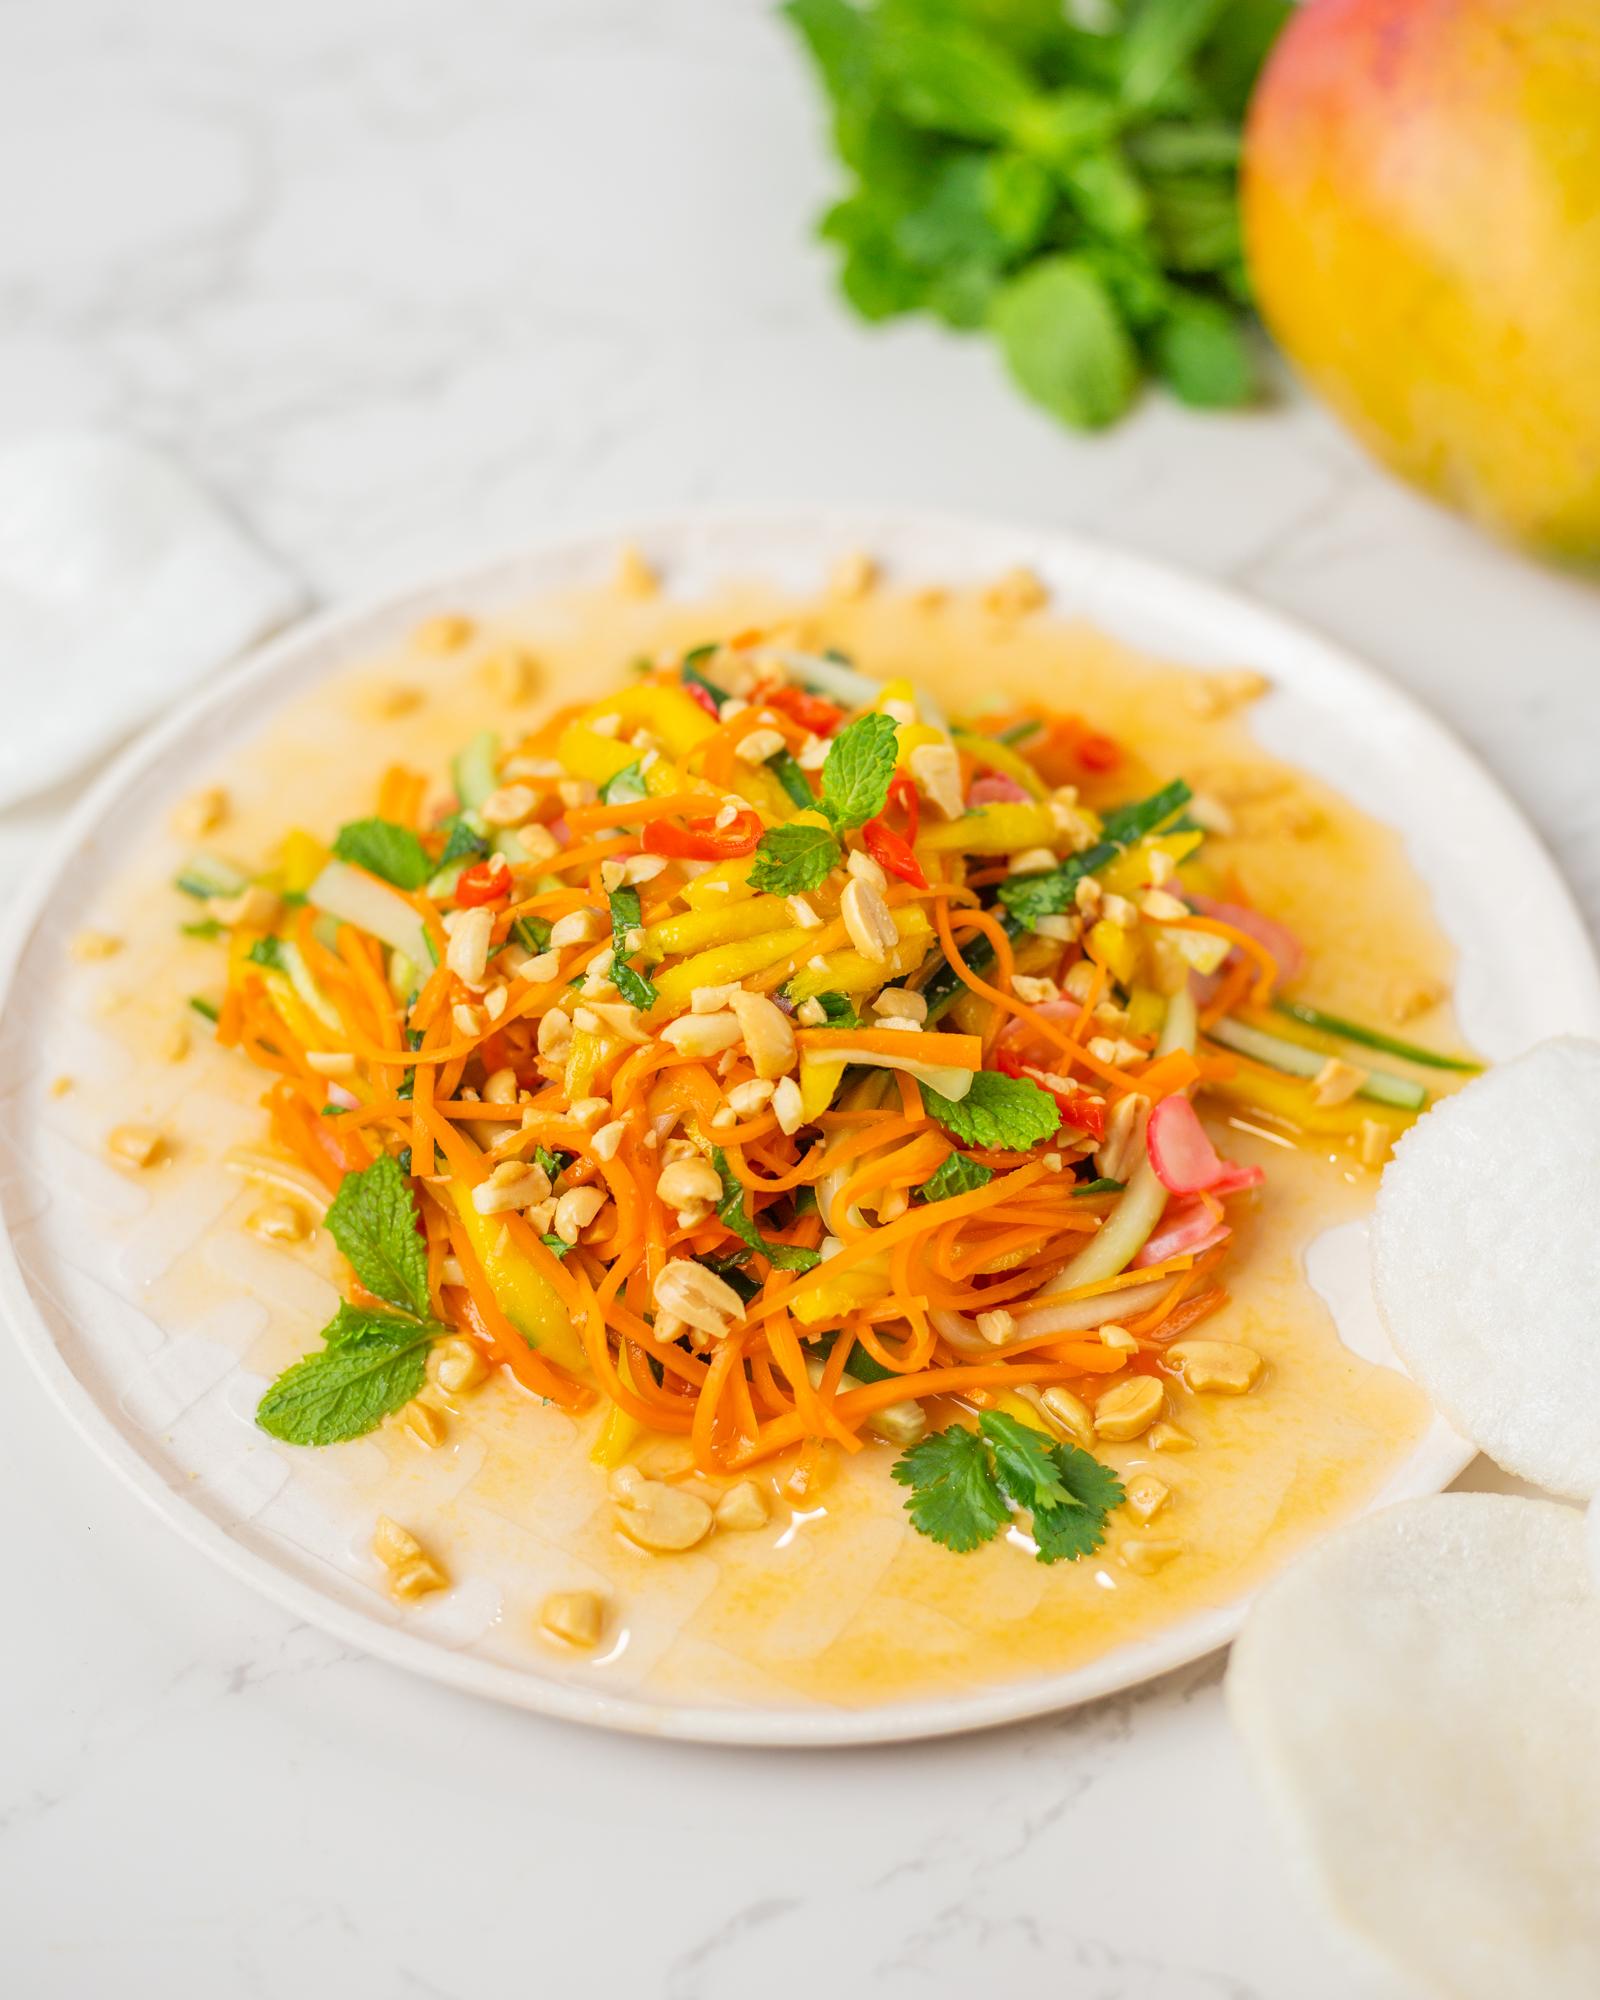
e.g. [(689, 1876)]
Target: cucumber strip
[(306, 987), (1127, 1228), (474, 770), (793, 780), (355, 897), (896, 1423), (204, 875), (1295, 1060), (1372, 1038)]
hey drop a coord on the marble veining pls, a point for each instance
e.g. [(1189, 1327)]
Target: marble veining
[(401, 282)]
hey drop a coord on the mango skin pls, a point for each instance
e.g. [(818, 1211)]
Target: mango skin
[(1421, 198)]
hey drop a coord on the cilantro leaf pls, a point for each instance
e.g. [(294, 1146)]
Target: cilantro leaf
[(268, 951), (1064, 1533), (372, 1364), (732, 1214), (1023, 1463), (1004, 1112), (532, 933), (385, 849), (551, 1162), (624, 785), (207, 927), (794, 858), (957, 1175), (373, 1219), (954, 1498), (858, 768), (465, 841), (558, 1246)]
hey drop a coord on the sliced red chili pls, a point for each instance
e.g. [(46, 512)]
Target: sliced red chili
[(903, 793), (810, 711), (484, 882), (703, 839), (893, 851), (1097, 752)]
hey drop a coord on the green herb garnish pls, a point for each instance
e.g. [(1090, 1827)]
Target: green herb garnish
[(733, 1214), (627, 917), (1066, 181), (1003, 1113), (964, 1485), (957, 1175), (855, 788), (386, 849)]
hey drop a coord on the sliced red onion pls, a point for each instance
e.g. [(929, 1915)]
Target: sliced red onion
[(345, 1099), (993, 788), (1187, 1229), (1284, 946)]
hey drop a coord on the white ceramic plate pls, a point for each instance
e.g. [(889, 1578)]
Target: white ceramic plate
[(75, 1307)]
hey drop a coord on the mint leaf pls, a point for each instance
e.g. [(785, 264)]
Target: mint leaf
[(385, 849), (624, 785), (1201, 353), (840, 1013), (558, 1246), (1008, 1114), (373, 1219), (1066, 1532), (627, 916), (1023, 1463), (1065, 344), (372, 1364), (953, 81), (858, 768), (465, 841), (732, 1214), (792, 859), (954, 1498), (268, 951), (551, 1162), (957, 1175)]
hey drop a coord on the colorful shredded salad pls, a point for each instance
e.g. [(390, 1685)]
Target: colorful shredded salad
[(760, 1057)]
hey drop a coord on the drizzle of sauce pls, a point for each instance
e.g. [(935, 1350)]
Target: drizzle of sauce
[(837, 1600)]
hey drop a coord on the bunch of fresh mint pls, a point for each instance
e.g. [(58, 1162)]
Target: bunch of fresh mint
[(1065, 176)]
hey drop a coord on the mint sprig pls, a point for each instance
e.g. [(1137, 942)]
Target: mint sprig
[(733, 1214), (370, 1365), (856, 775), (373, 1219), (627, 916)]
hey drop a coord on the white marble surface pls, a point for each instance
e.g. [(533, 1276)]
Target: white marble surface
[(403, 279)]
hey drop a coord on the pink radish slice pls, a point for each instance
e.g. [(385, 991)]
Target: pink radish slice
[(1189, 1228), (1284, 946), (992, 789), (1184, 1159)]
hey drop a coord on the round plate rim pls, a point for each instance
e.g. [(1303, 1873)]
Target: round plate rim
[(1191, 599)]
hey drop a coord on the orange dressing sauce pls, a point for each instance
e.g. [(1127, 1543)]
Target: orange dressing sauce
[(837, 1600)]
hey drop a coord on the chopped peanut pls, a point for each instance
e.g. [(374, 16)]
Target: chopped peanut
[(201, 813), (1069, 1414), (135, 1145), (1215, 1367), (768, 1036), (89, 945), (1146, 1495), (742, 1507), (869, 920), (446, 632), (577, 1616), (1128, 1409), (699, 1297), (661, 1518)]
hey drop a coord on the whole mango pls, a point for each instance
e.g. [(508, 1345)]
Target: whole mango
[(1421, 197)]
